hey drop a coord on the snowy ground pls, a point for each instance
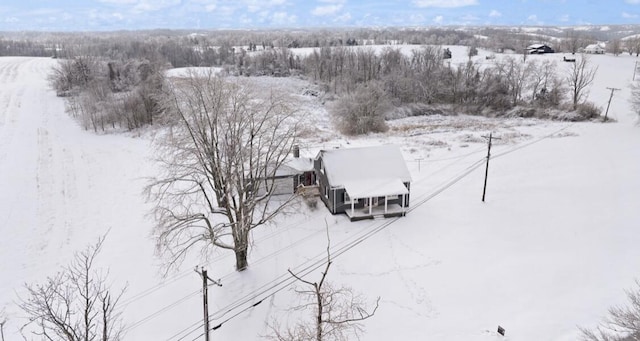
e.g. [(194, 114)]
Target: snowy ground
[(552, 248)]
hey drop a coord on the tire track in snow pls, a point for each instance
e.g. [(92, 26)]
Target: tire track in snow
[(9, 106), (44, 183), (39, 153)]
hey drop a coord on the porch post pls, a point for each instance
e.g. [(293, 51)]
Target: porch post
[(385, 204), (334, 201), (403, 210), (370, 205), (352, 206)]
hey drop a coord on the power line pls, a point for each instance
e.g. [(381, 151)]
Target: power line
[(158, 312), (374, 231), (281, 283), (335, 253), (197, 326)]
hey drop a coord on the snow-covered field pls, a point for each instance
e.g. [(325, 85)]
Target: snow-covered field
[(553, 247)]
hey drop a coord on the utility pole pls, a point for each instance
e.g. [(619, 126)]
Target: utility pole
[(419, 159), (205, 299), (608, 104), (635, 68), (486, 172)]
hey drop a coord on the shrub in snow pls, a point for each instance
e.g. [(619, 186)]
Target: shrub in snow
[(311, 202), (588, 110), (362, 111)]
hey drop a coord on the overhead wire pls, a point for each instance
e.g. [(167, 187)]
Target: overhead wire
[(162, 310), (334, 252), (284, 281), (446, 185)]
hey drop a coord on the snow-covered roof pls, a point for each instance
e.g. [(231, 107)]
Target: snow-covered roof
[(594, 47), (365, 188), (295, 166), (535, 46), (377, 165), (301, 164)]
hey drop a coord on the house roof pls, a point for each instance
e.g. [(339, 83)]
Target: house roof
[(536, 46), (294, 166), (594, 47), (375, 165), (365, 188), (301, 164)]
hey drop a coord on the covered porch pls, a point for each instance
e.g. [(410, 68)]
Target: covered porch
[(371, 212), (379, 198)]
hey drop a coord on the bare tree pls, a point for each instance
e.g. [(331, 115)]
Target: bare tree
[(572, 41), (76, 304), (615, 47), (472, 50), (3, 321), (219, 165), (363, 110), (633, 46), (579, 77), (515, 75), (546, 88), (338, 312), (635, 97), (623, 323), (70, 74)]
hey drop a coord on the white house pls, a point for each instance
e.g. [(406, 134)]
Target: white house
[(594, 48)]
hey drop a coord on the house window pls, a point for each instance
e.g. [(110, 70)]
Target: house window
[(347, 199)]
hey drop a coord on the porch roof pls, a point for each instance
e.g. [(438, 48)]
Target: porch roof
[(369, 188)]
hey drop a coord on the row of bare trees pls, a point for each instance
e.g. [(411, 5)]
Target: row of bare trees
[(109, 94), (370, 82)]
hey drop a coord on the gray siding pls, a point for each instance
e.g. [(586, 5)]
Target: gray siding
[(334, 198)]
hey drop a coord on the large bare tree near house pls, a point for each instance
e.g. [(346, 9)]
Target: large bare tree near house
[(218, 161)]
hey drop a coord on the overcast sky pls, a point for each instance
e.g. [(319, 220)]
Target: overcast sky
[(83, 15)]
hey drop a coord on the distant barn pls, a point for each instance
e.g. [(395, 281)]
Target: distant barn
[(539, 49)]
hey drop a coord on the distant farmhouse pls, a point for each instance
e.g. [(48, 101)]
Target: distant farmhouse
[(363, 183), (539, 49), (594, 48)]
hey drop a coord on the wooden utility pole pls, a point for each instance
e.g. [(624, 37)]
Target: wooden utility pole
[(486, 172), (419, 159), (205, 304), (205, 299), (608, 104), (635, 68)]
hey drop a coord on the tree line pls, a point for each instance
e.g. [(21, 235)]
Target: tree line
[(369, 83)]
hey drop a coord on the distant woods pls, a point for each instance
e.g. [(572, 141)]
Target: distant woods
[(115, 80)]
